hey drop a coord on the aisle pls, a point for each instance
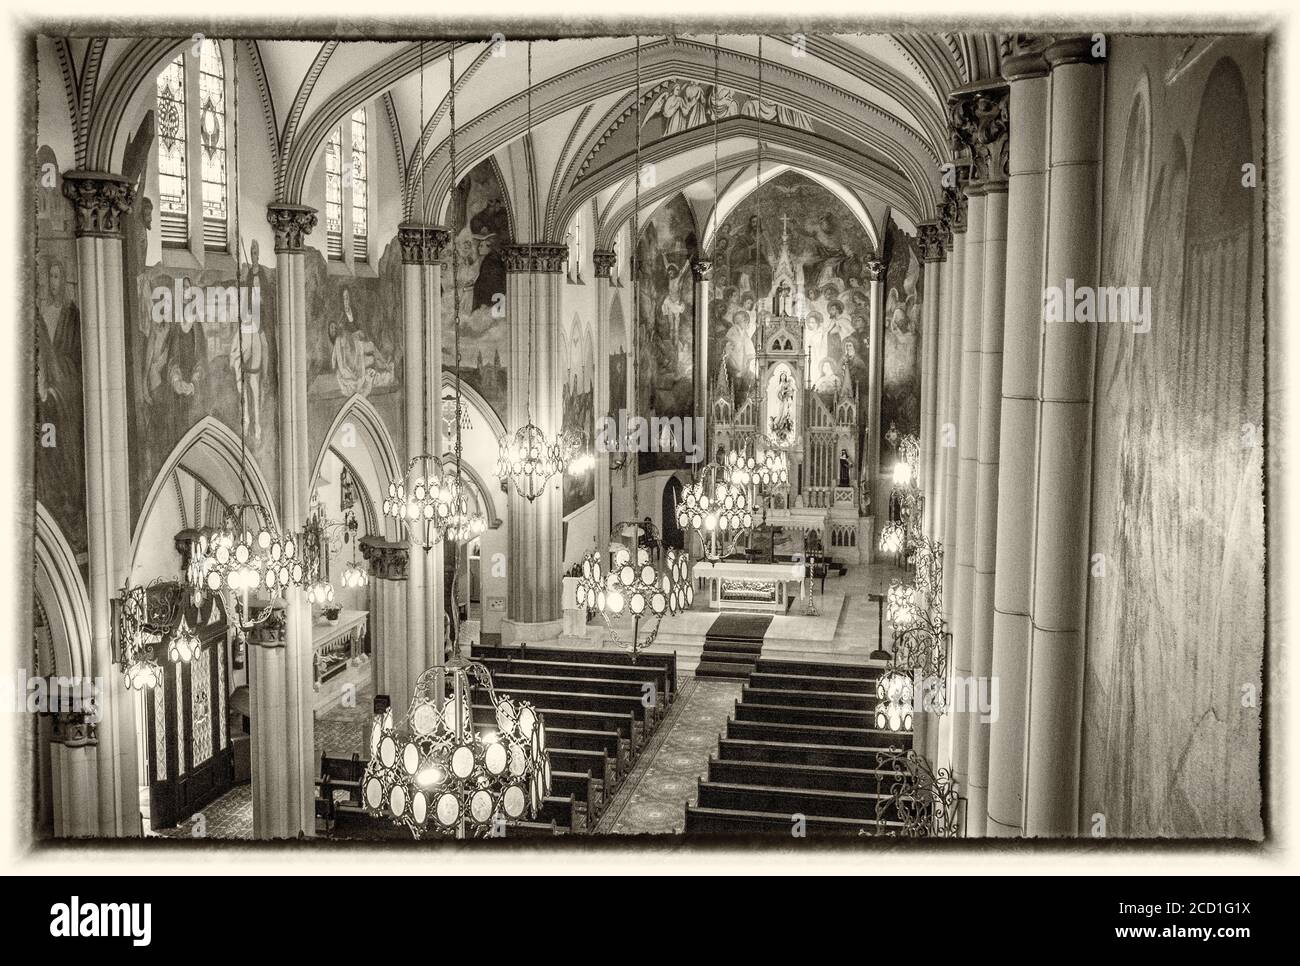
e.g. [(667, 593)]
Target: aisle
[(653, 799)]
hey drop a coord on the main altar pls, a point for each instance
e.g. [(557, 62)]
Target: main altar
[(751, 585)]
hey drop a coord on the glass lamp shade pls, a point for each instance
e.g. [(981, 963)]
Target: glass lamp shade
[(891, 537), (246, 554), (639, 588), (424, 501), (527, 461), (741, 468), (320, 592), (143, 674), (894, 704), (354, 576), (464, 523), (773, 471), (902, 474), (184, 643), (716, 510), (442, 772)]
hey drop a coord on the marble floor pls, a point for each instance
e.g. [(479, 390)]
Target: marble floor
[(653, 798)]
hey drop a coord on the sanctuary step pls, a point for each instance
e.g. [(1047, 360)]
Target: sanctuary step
[(733, 646)]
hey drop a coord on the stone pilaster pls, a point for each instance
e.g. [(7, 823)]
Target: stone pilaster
[(387, 562), (1027, 72), (604, 260), (702, 274), (99, 203), (933, 254), (74, 744), (876, 269), (534, 277)]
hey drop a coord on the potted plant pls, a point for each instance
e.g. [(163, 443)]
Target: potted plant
[(330, 612)]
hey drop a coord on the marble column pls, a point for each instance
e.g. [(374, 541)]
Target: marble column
[(604, 260), (73, 750), (702, 273), (963, 551), (1027, 71), (986, 128), (281, 674), (99, 201), (386, 563), (534, 275), (875, 378), (932, 256), (1061, 556)]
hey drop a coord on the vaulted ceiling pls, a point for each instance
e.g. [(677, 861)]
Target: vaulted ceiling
[(866, 111)]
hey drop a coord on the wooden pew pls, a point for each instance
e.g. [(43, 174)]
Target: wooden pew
[(813, 734), (584, 789), (512, 683), (769, 680), (607, 657), (818, 669), (582, 739), (594, 763), (796, 753), (790, 801), (722, 821), (624, 724), (785, 714), (791, 775), (823, 700), (563, 811), (552, 701), (657, 676)]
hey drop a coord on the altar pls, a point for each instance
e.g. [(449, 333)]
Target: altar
[(750, 585)]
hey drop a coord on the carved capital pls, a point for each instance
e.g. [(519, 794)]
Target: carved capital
[(385, 559), (1081, 49), (291, 224), (421, 244), (604, 259), (930, 235), (99, 201), (702, 269), (980, 122), (518, 258), (1022, 56), (74, 728), (876, 268), (548, 258)]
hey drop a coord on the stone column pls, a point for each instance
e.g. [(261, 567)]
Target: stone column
[(986, 128), (533, 609), (702, 273), (1061, 572), (932, 255), (281, 675), (875, 377), (952, 415), (604, 260), (1026, 70), (73, 750), (963, 555), (386, 562), (99, 201), (943, 437)]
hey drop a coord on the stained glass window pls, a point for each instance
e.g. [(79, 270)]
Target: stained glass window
[(159, 733), (201, 703), (173, 193), (334, 194), (221, 691), (360, 185), (212, 139), (180, 720)]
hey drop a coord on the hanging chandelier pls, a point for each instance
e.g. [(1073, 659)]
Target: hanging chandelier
[(244, 555), (144, 617), (633, 583), (894, 705), (716, 510), (529, 457), (440, 773), (903, 531)]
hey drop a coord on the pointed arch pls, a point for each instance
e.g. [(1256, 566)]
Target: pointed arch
[(373, 435), (212, 452), (62, 592)]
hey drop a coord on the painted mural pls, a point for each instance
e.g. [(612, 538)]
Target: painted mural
[(355, 340), (199, 342), (1171, 740), (60, 445), (480, 221), (808, 234), (900, 385), (578, 370), (665, 322)]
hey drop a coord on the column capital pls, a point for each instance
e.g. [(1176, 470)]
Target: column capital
[(421, 244), (99, 200), (1022, 56), (291, 224), (979, 120), (385, 559), (1079, 49), (604, 260), (930, 235), (547, 258), (74, 728), (876, 268), (702, 268)]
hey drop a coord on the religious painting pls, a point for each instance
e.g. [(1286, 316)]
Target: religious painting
[(199, 342), (578, 372), (1178, 511), (60, 414), (900, 390), (666, 326), (618, 354), (480, 225)]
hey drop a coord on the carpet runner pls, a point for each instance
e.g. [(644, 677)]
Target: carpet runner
[(733, 646)]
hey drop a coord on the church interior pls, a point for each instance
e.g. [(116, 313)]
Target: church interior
[(718, 436)]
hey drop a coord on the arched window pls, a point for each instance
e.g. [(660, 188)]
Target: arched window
[(576, 241), (193, 157), (334, 195), (173, 186), (212, 141), (360, 186)]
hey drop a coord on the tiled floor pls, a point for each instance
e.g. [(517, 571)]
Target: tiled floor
[(653, 799)]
